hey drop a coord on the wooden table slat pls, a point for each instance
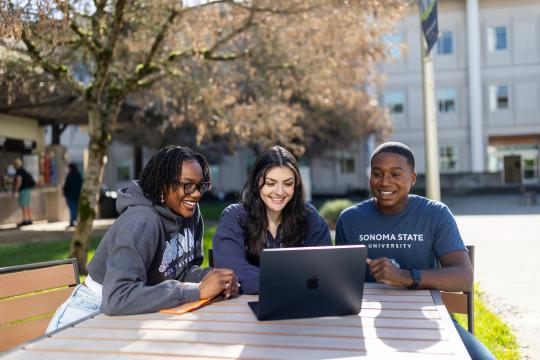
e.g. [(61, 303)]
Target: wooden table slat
[(305, 324), (201, 347), (296, 334), (102, 355), (366, 304), (397, 298), (93, 355)]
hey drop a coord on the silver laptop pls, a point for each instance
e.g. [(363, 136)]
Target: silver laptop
[(310, 282)]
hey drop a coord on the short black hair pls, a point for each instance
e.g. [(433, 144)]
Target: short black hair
[(165, 168), (395, 147)]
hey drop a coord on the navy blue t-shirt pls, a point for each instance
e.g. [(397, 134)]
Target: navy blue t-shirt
[(415, 238), (230, 249)]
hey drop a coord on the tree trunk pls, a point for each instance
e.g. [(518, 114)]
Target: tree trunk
[(100, 121), (57, 130)]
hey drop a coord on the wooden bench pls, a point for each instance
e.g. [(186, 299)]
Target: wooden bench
[(29, 296)]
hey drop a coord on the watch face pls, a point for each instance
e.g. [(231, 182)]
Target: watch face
[(416, 275)]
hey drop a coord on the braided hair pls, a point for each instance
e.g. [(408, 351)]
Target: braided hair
[(293, 215), (165, 168)]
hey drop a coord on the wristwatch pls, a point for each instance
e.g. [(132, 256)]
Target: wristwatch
[(416, 277)]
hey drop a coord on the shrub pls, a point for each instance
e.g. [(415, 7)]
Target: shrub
[(331, 210)]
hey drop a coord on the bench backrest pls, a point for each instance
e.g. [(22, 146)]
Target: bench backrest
[(29, 296), (462, 303), (210, 257)]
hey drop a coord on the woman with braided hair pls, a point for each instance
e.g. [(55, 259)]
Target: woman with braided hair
[(150, 257)]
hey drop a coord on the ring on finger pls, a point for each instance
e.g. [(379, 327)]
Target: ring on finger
[(227, 285)]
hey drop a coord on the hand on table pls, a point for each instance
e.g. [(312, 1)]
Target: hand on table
[(387, 271), (218, 281)]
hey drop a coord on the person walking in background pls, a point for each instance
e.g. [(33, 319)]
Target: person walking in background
[(72, 191), (24, 182), (273, 213)]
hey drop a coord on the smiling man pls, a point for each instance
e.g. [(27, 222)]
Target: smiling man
[(407, 235)]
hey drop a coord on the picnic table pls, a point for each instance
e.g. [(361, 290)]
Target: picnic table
[(393, 324)]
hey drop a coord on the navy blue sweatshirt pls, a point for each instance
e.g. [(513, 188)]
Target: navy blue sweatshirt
[(230, 249)]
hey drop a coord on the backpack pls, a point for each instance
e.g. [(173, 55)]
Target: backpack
[(28, 181)]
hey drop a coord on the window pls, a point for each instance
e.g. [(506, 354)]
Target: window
[(346, 165), (497, 38), (529, 169), (498, 97), (123, 171), (214, 171), (394, 43), (395, 101), (445, 44), (448, 158), (447, 100)]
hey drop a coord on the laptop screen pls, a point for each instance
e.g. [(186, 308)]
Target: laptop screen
[(311, 281)]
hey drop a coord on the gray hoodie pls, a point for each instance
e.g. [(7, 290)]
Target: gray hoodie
[(144, 256)]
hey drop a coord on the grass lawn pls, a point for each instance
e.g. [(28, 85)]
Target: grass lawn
[(488, 327), (17, 254), (491, 330), (211, 210)]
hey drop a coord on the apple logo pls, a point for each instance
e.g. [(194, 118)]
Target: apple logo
[(312, 283)]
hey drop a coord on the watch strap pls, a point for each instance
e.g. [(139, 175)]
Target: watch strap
[(416, 277)]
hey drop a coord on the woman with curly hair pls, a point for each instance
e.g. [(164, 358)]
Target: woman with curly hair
[(272, 213)]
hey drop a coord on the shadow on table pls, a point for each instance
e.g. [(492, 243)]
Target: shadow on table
[(412, 330)]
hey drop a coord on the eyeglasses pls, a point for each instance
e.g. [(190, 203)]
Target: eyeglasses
[(189, 188)]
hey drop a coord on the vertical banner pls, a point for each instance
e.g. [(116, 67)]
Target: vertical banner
[(428, 17)]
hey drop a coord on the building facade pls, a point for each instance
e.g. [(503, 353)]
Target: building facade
[(487, 79)]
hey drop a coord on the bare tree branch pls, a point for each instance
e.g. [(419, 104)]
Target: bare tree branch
[(58, 71), (146, 68), (206, 4), (96, 21), (106, 54), (84, 36), (277, 11), (223, 56), (235, 32)]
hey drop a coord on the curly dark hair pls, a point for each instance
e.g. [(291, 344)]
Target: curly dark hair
[(165, 168), (294, 214)]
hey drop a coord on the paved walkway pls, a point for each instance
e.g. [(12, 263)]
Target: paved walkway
[(506, 235), (505, 231)]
